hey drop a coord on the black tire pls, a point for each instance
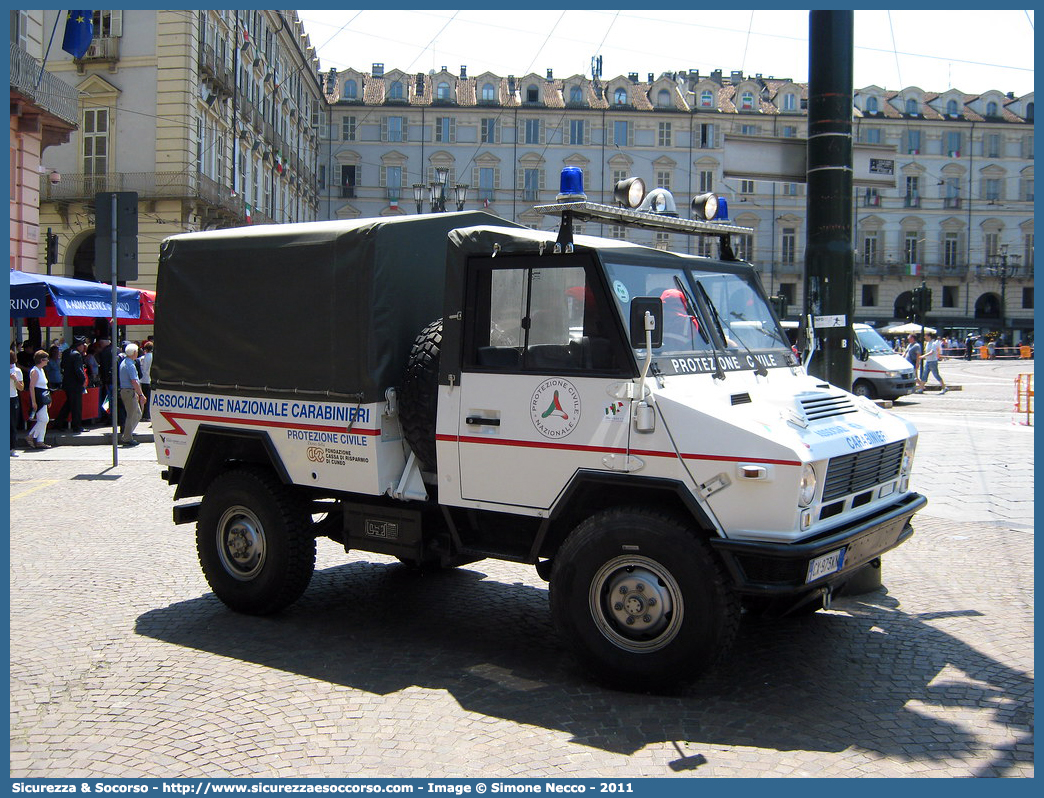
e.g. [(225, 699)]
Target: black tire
[(419, 401), (255, 543), (685, 615), (864, 388)]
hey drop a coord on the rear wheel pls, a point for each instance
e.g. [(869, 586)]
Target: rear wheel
[(642, 600), (254, 541)]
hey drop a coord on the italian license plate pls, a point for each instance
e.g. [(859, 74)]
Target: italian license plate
[(827, 564)]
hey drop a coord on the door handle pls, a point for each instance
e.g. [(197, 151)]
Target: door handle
[(479, 421)]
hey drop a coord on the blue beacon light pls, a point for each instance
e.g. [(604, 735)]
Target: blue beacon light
[(571, 186), (722, 214)]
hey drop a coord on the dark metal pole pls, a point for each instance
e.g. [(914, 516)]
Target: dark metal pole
[(114, 396), (829, 282)]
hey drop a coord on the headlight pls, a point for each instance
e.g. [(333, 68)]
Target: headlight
[(807, 488), (893, 374), (908, 456)]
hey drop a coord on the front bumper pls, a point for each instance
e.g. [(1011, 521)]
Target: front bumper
[(780, 569)]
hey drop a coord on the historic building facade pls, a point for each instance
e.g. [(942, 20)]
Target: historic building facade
[(962, 209), (210, 116)]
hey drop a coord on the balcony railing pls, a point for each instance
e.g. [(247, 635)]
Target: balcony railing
[(50, 94), (103, 49), (951, 202)]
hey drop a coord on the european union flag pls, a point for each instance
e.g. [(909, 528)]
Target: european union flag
[(79, 30)]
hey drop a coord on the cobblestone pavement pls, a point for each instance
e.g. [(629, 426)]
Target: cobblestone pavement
[(124, 664)]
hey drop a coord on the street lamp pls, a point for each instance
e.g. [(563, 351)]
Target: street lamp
[(437, 192), (1000, 268), (460, 191), (418, 196)]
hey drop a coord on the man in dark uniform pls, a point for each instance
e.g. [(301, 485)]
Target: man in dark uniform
[(74, 379)]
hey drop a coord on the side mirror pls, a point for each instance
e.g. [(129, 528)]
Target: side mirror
[(862, 353), (640, 306)]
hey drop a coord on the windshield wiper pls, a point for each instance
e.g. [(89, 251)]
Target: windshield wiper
[(709, 309)]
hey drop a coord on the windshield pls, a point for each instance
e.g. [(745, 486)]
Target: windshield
[(700, 308), (872, 341)]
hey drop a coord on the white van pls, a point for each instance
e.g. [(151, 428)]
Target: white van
[(877, 371)]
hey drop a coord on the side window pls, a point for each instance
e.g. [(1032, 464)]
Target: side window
[(533, 318)]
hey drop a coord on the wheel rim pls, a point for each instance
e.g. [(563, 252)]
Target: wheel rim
[(241, 543), (636, 604)]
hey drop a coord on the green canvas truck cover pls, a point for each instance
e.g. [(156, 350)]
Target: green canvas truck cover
[(319, 309)]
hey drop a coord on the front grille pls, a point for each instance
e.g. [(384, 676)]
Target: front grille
[(824, 405), (851, 473)]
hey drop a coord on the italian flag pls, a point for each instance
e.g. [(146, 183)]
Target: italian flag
[(248, 214), (915, 268), (279, 162)]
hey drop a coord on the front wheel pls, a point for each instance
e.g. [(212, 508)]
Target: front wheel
[(864, 388), (255, 542), (642, 600)]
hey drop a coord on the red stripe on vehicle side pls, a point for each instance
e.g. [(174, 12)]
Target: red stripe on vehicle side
[(177, 429), (605, 449)]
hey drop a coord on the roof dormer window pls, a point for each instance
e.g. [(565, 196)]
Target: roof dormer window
[(789, 102), (576, 95), (351, 89), (871, 105), (911, 107), (747, 101), (395, 91), (442, 91), (489, 93), (663, 98), (532, 93), (991, 109), (951, 108), (706, 99), (620, 97)]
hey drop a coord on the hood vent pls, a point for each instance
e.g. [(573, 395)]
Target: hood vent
[(740, 399), (819, 406)]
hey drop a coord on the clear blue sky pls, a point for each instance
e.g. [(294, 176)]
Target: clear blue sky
[(971, 50)]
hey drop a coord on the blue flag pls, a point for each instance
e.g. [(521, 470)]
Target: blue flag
[(79, 30)]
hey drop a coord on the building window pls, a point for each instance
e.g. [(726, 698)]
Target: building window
[(992, 245), (663, 179), (489, 93), (743, 246), (746, 187), (617, 231), (747, 101), (707, 137), (871, 105), (663, 98), (349, 179), (532, 94), (870, 249), (949, 296), (442, 91), (992, 145), (869, 299), (532, 131), (96, 141), (395, 92), (991, 189), (789, 102), (1027, 189), (622, 134), (490, 131), (487, 182), (620, 96), (788, 291), (789, 132), (531, 179), (790, 189), (911, 107), (872, 135), (953, 143), (348, 128), (1027, 253), (913, 142), (394, 128), (663, 240), (788, 245), (1027, 299), (392, 180), (577, 132), (951, 107), (748, 130), (107, 24), (991, 109), (951, 249), (706, 181), (351, 89), (445, 129), (911, 248), (576, 95), (872, 198), (706, 99), (664, 134)]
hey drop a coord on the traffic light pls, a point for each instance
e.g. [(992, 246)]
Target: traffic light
[(780, 305), (920, 303), (52, 247)]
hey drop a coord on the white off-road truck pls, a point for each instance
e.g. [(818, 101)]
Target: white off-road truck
[(632, 421)]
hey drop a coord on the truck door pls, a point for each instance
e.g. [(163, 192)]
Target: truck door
[(541, 346)]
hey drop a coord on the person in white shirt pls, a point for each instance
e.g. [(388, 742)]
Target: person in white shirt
[(16, 386), (146, 379), (930, 363)]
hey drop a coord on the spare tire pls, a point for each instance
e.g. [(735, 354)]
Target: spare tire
[(419, 401)]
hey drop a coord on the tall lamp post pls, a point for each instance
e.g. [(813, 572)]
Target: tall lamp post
[(437, 192), (1002, 269)]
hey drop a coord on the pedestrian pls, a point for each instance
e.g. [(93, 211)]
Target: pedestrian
[(53, 370), (39, 398), (16, 385), (74, 383), (93, 371), (991, 349), (131, 395), (930, 364), (969, 346), (913, 352), (146, 379), (104, 357)]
